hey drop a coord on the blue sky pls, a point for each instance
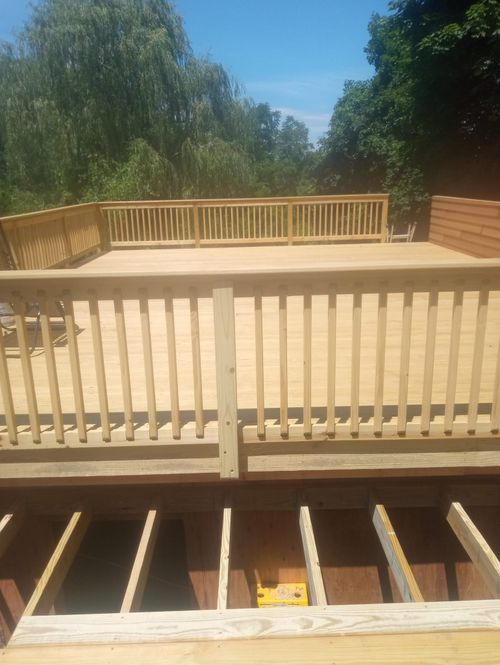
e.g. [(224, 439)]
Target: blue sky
[(294, 54)]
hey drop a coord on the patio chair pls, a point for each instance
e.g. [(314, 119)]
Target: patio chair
[(402, 237), (32, 316)]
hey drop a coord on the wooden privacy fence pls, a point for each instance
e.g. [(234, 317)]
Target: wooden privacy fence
[(53, 238), (240, 358), (247, 221)]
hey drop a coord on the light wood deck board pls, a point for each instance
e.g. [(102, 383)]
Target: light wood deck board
[(229, 258)]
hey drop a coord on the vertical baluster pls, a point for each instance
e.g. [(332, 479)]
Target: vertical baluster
[(307, 361), (259, 360), (283, 361), (74, 360), (405, 359), (24, 352), (148, 363), (150, 232), (430, 346), (233, 237), (477, 358), (451, 385), (124, 365), (143, 225), (356, 358), (336, 220), (55, 397), (331, 360), (172, 365), (8, 403), (95, 324), (378, 412), (196, 352)]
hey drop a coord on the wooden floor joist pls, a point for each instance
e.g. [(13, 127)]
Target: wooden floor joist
[(9, 526), (57, 568), (225, 553), (396, 558), (475, 545), (138, 577), (316, 586)]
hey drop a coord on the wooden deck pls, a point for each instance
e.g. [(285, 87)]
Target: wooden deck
[(252, 261)]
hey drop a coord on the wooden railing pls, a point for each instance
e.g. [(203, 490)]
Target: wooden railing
[(466, 225), (231, 360), (53, 238), (247, 221)]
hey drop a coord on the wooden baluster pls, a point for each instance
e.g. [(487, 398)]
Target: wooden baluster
[(74, 360), (451, 385), (477, 357), (5, 386), (196, 352), (307, 362), (405, 359), (225, 366), (283, 361), (95, 324), (196, 224), (356, 358), (430, 346), (259, 360), (124, 365), (55, 397), (331, 360), (378, 412), (24, 352), (143, 226), (172, 365), (148, 363)]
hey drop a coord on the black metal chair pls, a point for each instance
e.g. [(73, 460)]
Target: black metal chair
[(32, 315)]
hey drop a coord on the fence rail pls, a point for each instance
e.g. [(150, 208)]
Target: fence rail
[(247, 221), (52, 238), (235, 359)]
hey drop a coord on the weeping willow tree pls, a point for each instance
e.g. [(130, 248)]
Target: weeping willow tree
[(105, 97)]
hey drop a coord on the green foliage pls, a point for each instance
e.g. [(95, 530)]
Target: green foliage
[(429, 120), (104, 99)]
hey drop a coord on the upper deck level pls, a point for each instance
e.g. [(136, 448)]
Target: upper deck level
[(175, 355)]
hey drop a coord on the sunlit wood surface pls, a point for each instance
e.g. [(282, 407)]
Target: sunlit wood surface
[(250, 258)]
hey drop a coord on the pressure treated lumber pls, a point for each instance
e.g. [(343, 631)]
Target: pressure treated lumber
[(225, 553), (466, 648), (139, 575), (225, 364), (259, 623), (316, 586), (396, 558), (475, 545), (58, 566), (10, 524)]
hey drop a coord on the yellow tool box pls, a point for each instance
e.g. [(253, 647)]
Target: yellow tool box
[(276, 595)]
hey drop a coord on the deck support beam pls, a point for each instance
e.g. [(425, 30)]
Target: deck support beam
[(481, 554), (225, 552), (314, 576), (396, 558)]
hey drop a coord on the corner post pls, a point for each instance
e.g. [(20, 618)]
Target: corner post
[(225, 366)]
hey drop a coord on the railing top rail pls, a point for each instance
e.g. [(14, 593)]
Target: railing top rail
[(345, 276), (251, 200), (48, 212), (472, 202)]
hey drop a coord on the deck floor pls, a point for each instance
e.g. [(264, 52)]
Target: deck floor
[(281, 258)]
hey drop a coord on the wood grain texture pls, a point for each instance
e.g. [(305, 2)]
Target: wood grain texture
[(460, 648), (258, 623), (398, 562), (134, 592), (53, 576), (225, 553), (475, 545), (316, 586)]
